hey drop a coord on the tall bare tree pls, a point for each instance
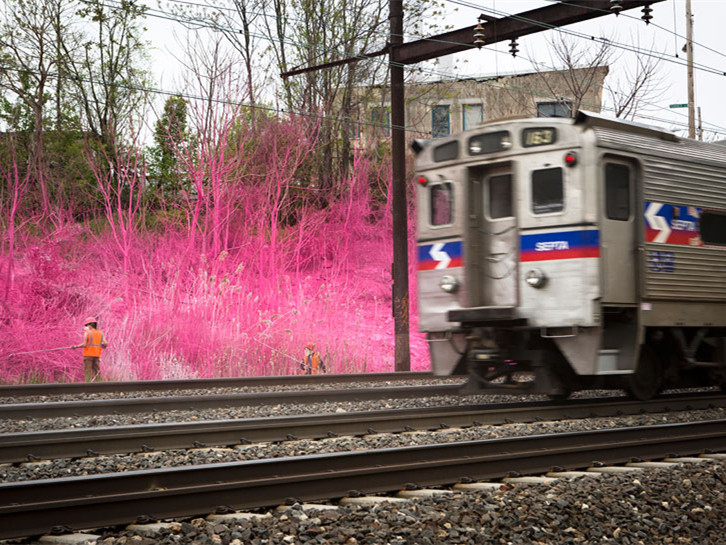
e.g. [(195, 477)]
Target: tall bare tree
[(30, 64), (628, 90), (109, 76)]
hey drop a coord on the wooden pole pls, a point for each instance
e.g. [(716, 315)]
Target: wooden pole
[(689, 47), (402, 356)]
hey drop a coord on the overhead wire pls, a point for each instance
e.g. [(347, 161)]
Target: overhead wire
[(608, 42), (627, 15), (626, 47), (510, 87), (202, 24)]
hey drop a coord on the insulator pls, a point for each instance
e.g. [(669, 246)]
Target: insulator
[(647, 10), (616, 6), (479, 35), (513, 49)]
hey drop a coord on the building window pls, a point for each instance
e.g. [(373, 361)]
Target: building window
[(381, 120), (472, 115), (547, 191), (617, 192), (440, 122), (561, 108), (442, 205)]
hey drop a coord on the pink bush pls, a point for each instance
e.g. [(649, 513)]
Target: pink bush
[(254, 269)]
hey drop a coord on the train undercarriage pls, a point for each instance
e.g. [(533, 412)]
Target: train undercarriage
[(505, 355)]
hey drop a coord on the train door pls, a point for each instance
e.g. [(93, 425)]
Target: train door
[(618, 240), (493, 238)]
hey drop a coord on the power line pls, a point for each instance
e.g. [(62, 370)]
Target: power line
[(615, 44), (194, 97), (215, 26), (410, 129), (626, 47), (635, 18)]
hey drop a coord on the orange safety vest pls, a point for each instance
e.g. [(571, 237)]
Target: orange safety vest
[(92, 341), (314, 361)]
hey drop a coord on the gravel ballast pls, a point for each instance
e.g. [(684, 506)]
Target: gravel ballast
[(681, 505)]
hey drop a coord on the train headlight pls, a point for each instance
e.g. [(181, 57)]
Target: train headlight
[(449, 283), (535, 278)]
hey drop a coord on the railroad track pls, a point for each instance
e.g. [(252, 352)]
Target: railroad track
[(18, 447), (118, 498), (22, 390), (54, 409)]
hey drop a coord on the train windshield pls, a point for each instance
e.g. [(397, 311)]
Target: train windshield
[(490, 142), (547, 191)]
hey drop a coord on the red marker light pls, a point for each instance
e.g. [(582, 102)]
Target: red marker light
[(571, 158), (422, 180)]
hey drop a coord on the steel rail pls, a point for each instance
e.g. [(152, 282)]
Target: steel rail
[(118, 498), (20, 390), (14, 411), (23, 446)]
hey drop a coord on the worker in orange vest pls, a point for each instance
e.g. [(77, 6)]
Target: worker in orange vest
[(93, 343), (312, 363)]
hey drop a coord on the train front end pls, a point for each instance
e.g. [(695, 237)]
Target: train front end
[(508, 250)]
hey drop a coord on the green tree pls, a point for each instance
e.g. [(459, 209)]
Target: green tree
[(166, 176)]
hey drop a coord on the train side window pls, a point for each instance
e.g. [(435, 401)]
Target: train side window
[(617, 191), (713, 228), (442, 204), (446, 152), (547, 191), (500, 196)]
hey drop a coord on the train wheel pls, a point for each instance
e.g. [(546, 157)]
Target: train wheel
[(560, 396), (647, 380)]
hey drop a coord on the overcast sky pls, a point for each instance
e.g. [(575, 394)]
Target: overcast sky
[(709, 17), (668, 16)]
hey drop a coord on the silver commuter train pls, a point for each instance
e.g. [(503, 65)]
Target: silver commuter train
[(585, 252)]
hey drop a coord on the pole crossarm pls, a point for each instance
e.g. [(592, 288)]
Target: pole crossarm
[(508, 28), (495, 30)]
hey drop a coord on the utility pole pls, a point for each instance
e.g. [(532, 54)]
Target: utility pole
[(689, 47), (402, 356), (401, 54)]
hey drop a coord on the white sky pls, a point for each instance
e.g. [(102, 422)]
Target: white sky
[(709, 17)]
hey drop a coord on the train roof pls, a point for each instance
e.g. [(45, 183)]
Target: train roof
[(586, 120)]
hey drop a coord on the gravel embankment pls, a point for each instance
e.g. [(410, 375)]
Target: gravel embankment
[(684, 505), (173, 458)]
